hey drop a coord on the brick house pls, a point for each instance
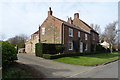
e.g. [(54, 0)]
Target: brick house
[(30, 44), (76, 35)]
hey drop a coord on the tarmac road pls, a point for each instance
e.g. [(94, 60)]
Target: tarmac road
[(53, 69)]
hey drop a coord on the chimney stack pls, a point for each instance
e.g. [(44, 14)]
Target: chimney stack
[(76, 16), (50, 12), (70, 20)]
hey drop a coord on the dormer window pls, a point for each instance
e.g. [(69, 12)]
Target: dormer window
[(70, 32)]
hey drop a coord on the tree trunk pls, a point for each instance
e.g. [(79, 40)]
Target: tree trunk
[(111, 47)]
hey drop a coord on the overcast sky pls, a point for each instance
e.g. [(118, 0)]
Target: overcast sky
[(25, 17)]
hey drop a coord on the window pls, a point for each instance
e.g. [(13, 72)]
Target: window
[(70, 32), (78, 33), (37, 35), (86, 37), (43, 31), (86, 47), (70, 45)]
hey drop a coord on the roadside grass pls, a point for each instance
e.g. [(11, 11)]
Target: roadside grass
[(16, 70), (90, 60)]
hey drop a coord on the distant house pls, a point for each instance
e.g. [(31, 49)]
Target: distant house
[(105, 44), (75, 34), (30, 44)]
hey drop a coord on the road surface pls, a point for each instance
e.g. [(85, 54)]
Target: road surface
[(53, 69)]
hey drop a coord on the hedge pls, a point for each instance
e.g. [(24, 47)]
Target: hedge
[(48, 48), (101, 49), (60, 55), (9, 53)]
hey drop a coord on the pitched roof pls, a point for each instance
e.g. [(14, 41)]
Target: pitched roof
[(88, 26), (72, 25), (36, 32)]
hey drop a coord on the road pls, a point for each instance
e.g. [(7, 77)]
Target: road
[(103, 71), (53, 69)]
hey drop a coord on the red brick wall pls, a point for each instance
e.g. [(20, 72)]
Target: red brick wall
[(94, 41), (52, 30), (75, 37)]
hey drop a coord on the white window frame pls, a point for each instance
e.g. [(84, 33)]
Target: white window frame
[(70, 45), (43, 31), (78, 33), (70, 32), (86, 36)]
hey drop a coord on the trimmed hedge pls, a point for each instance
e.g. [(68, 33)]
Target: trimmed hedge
[(9, 53), (55, 56), (38, 49), (48, 48)]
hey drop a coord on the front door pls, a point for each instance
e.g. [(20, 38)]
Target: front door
[(81, 47)]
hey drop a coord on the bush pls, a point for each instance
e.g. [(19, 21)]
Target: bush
[(38, 49), (9, 53), (100, 49), (55, 56), (46, 56), (45, 48)]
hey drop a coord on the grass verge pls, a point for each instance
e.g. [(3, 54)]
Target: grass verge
[(89, 60), (20, 71), (16, 70)]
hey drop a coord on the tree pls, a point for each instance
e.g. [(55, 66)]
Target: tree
[(96, 27), (18, 40), (109, 34), (2, 36)]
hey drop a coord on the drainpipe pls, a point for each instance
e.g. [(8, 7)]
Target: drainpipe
[(39, 33)]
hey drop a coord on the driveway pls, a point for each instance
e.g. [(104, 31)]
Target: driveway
[(53, 69)]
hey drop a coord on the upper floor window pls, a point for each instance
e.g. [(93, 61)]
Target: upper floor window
[(70, 32), (70, 45), (78, 33), (86, 37), (43, 31)]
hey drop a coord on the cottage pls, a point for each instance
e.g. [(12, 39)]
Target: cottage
[(75, 34), (30, 44)]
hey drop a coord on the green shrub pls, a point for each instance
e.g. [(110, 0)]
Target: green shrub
[(9, 53), (46, 56), (45, 48), (59, 55), (38, 49), (100, 49)]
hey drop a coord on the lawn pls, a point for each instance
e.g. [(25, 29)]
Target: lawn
[(89, 60), (16, 70)]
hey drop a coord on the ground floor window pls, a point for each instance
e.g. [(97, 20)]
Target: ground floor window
[(70, 45), (85, 47)]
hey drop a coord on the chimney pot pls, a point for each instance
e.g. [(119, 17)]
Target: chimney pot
[(76, 16), (50, 12), (70, 20)]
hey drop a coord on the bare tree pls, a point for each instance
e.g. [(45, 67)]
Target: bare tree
[(18, 40), (2, 36), (96, 27), (109, 34)]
